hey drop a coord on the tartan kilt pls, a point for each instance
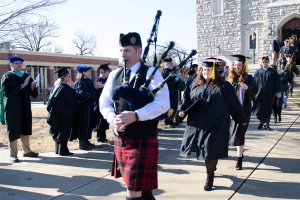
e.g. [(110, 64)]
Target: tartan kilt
[(136, 162)]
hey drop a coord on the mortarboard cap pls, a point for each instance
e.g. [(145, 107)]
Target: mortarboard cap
[(239, 57), (62, 72), (83, 68), (209, 62), (168, 60), (130, 39), (265, 58), (13, 59), (194, 66), (104, 67)]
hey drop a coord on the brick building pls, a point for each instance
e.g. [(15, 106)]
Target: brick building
[(45, 64)]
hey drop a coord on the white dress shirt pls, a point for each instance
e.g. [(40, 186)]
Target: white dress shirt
[(158, 106)]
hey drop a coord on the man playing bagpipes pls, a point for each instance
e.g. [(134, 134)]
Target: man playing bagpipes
[(136, 143)]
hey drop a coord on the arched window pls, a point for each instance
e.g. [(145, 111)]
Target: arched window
[(217, 7)]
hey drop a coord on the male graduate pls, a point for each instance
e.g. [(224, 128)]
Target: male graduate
[(18, 87), (174, 94), (100, 123), (268, 85)]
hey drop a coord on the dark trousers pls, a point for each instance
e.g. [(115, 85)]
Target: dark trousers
[(101, 133)]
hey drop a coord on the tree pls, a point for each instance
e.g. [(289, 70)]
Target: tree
[(35, 37), (177, 53), (11, 11), (6, 46), (85, 43)]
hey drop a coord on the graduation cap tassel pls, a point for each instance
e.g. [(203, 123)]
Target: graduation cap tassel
[(246, 67), (213, 71)]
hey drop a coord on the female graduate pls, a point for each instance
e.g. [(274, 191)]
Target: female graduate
[(208, 107), (245, 88), (61, 108)]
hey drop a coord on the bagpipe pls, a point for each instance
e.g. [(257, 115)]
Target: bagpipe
[(135, 97)]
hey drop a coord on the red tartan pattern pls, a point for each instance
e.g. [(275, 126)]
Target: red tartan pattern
[(137, 163)]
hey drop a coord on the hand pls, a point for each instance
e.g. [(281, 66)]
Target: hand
[(25, 83), (118, 125), (181, 113), (33, 84), (278, 95), (243, 86), (71, 83), (128, 117), (98, 85)]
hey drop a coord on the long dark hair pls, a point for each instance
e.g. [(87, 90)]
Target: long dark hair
[(200, 80), (232, 76)]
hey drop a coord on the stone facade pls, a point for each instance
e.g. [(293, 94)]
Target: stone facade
[(229, 32)]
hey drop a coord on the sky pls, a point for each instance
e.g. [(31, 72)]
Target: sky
[(106, 19)]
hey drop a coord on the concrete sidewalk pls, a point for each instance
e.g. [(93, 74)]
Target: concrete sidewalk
[(271, 170)]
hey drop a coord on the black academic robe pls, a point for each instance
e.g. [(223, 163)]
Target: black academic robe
[(173, 92), (237, 131), (17, 105), (61, 108), (268, 85), (99, 121), (208, 121), (83, 122)]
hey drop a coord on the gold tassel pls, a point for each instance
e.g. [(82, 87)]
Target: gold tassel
[(246, 67), (213, 72)]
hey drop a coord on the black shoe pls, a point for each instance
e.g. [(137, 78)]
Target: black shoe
[(66, 153), (137, 198), (147, 195), (84, 145), (209, 182), (90, 144), (31, 154), (14, 159), (260, 125), (239, 163), (103, 140), (267, 127), (63, 149)]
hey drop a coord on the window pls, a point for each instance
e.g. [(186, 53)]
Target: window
[(252, 41), (217, 7)]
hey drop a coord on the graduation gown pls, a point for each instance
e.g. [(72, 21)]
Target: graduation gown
[(61, 108), (237, 131), (208, 122), (17, 105), (173, 93), (268, 85), (83, 122), (99, 121)]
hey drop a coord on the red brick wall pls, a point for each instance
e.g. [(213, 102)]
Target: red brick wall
[(3, 69), (56, 58), (60, 59)]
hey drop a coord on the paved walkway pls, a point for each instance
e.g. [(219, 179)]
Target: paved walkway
[(271, 170)]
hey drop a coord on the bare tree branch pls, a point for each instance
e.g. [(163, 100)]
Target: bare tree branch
[(84, 43), (35, 37), (11, 11)]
